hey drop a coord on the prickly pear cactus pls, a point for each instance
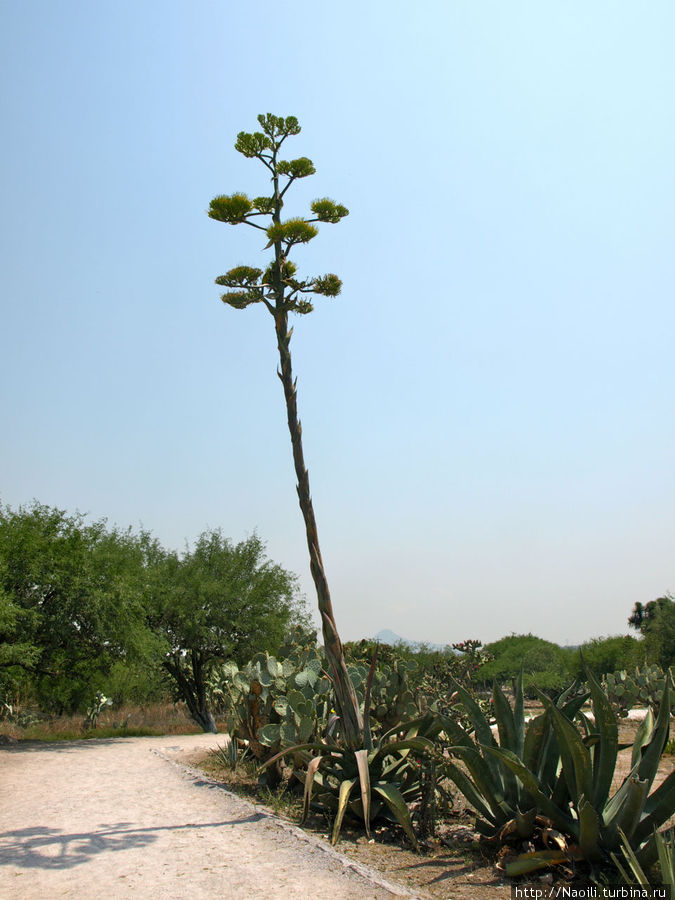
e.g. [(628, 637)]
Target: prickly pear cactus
[(391, 699), (643, 688), (277, 702), (274, 703)]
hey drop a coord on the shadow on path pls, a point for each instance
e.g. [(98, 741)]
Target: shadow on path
[(49, 848), (80, 744)]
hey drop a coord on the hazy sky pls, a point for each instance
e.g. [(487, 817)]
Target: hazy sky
[(487, 407)]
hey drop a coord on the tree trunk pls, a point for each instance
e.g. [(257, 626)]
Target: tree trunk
[(206, 721), (345, 695), (194, 697)]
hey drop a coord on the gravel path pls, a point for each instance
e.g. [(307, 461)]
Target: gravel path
[(122, 818)]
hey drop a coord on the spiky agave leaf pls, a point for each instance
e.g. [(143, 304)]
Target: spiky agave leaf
[(533, 862), (589, 831), (629, 812), (652, 752), (312, 769), (576, 762), (399, 809), (362, 762), (634, 864), (534, 746), (346, 788), (605, 754), (658, 808), (642, 737), (665, 845), (511, 733), (482, 728)]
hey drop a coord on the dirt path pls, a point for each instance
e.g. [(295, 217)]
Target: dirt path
[(120, 818)]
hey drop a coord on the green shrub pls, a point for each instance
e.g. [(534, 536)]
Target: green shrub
[(544, 664), (604, 655)]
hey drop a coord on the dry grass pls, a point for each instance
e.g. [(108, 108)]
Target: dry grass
[(125, 721)]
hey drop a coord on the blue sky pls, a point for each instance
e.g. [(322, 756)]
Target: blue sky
[(487, 407)]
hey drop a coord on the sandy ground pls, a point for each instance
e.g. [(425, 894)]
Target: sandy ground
[(123, 818)]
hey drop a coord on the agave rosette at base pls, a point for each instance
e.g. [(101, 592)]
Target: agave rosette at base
[(380, 780)]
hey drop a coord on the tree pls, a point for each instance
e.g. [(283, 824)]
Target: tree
[(543, 663), (17, 652), (656, 622), (643, 616), (605, 655), (218, 601), (70, 602), (282, 291)]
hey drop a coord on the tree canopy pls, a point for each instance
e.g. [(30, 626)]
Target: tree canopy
[(83, 605), (71, 600), (219, 601), (656, 622), (606, 654), (543, 663)]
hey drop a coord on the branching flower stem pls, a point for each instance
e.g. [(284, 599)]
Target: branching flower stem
[(279, 296)]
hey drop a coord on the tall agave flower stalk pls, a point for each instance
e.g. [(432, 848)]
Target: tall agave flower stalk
[(281, 292)]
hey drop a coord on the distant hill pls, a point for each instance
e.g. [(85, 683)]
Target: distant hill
[(387, 636)]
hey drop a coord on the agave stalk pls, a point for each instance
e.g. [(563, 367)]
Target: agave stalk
[(282, 292), (348, 705)]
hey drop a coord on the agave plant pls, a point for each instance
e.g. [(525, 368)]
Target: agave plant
[(564, 774), (591, 815), (386, 770), (377, 780), (230, 754), (664, 871), (502, 801)]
